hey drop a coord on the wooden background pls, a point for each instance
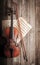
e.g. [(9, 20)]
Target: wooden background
[(30, 10)]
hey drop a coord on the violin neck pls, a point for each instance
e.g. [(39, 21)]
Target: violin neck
[(11, 28)]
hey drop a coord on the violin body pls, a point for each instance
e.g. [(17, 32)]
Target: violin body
[(10, 46), (15, 51)]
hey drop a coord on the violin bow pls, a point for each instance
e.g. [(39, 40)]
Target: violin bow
[(22, 41)]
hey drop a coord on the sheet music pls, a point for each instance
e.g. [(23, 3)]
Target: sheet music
[(25, 28)]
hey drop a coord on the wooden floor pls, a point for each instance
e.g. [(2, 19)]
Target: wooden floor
[(14, 63), (5, 62), (19, 64)]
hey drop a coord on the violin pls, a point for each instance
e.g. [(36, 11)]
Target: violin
[(11, 49)]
